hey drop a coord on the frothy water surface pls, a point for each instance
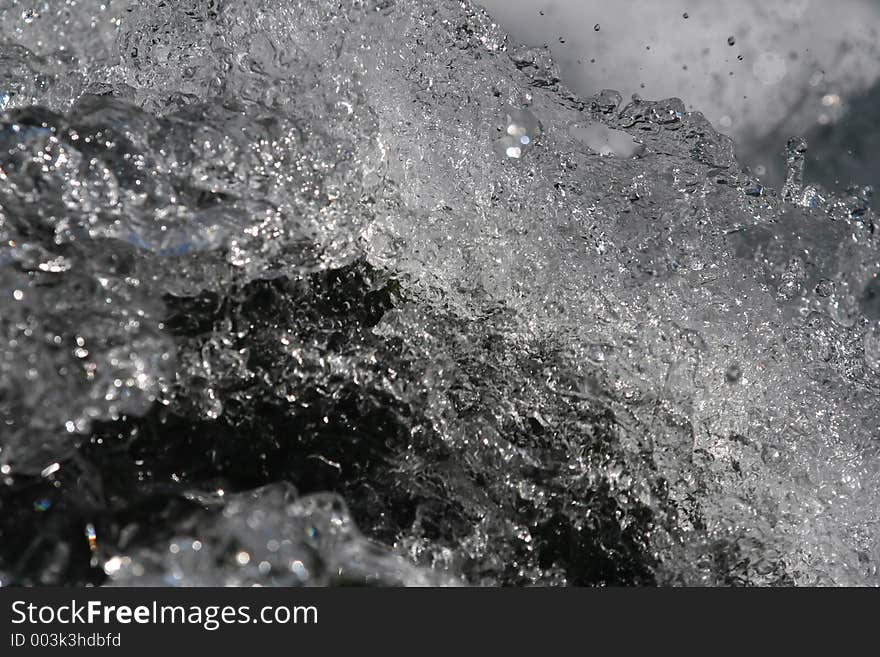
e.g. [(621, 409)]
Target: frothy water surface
[(251, 252)]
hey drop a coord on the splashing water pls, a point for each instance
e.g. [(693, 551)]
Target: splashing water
[(360, 248)]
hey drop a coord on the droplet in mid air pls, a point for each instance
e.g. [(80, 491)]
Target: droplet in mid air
[(597, 27), (522, 129), (731, 41)]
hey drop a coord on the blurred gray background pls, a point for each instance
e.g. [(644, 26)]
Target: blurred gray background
[(761, 71)]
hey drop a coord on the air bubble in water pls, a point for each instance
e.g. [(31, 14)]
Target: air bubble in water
[(521, 129)]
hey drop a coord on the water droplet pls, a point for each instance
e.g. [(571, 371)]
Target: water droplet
[(685, 15), (731, 41), (521, 129), (596, 27)]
